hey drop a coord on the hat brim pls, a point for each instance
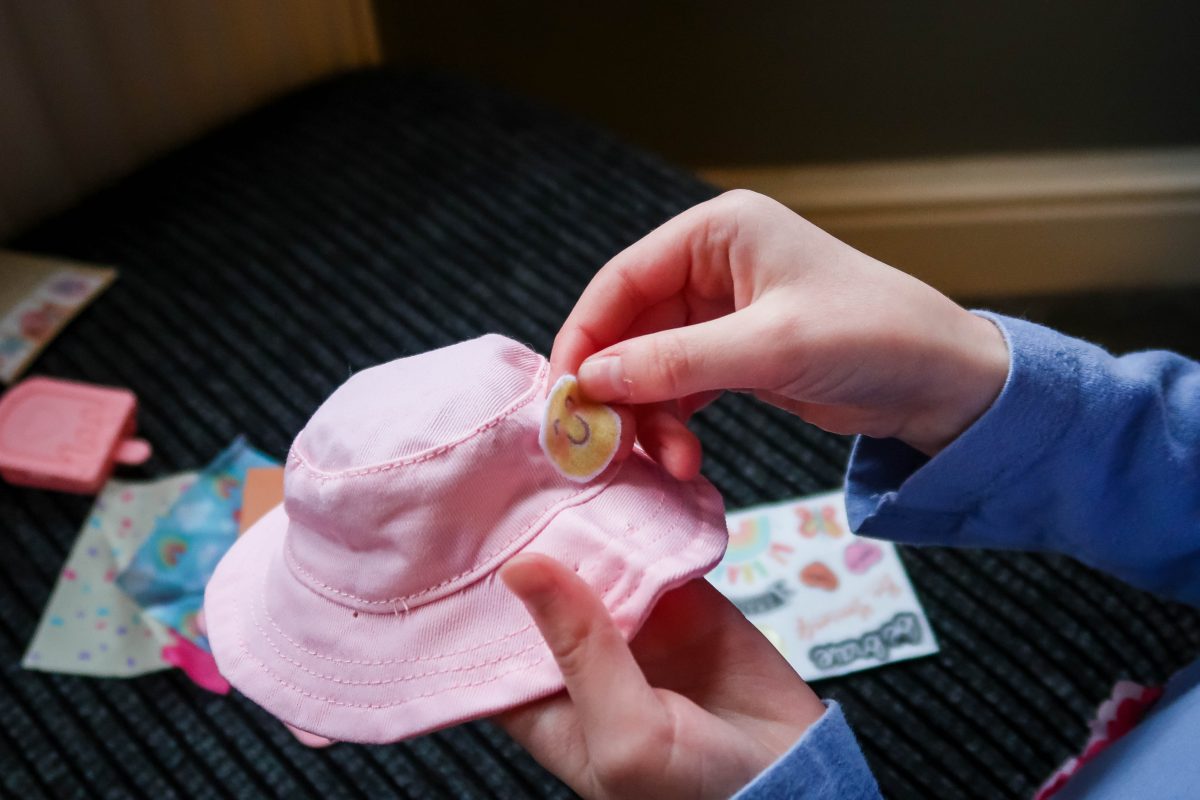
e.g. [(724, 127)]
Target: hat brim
[(381, 677)]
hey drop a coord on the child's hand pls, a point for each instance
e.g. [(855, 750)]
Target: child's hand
[(696, 706), (741, 293)]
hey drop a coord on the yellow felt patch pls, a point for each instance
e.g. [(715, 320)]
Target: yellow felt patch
[(579, 437)]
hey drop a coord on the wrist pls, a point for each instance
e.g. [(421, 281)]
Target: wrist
[(970, 371)]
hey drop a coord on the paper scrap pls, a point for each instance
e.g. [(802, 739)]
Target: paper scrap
[(90, 626), (830, 601), (262, 491), (168, 574), (38, 297)]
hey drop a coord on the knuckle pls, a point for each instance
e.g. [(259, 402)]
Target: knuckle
[(746, 205), (629, 288), (725, 223), (738, 202), (629, 759), (739, 198), (670, 364)]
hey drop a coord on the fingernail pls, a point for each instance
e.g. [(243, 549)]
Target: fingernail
[(603, 379)]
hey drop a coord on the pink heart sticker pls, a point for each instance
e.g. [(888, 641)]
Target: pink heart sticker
[(861, 556)]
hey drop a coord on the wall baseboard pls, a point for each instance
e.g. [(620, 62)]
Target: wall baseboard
[(1005, 225)]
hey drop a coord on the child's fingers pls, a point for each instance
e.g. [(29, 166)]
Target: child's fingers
[(638, 278), (308, 739), (672, 364), (606, 685), (667, 440), (629, 426)]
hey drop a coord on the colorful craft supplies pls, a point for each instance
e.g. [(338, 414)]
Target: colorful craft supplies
[(831, 602), (65, 435), (38, 297), (90, 626), (168, 574)]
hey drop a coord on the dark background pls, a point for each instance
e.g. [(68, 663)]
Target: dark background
[(714, 83)]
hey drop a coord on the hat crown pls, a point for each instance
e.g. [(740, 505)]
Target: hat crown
[(420, 475), (411, 405)]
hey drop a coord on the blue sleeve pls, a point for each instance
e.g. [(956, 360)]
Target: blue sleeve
[(825, 763), (1082, 453)]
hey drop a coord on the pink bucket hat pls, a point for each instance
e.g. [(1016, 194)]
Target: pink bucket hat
[(367, 606)]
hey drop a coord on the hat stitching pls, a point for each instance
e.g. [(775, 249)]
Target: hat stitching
[(321, 475), (539, 521), (388, 661), (266, 670), (626, 532), (405, 678), (602, 590), (634, 585), (385, 662)]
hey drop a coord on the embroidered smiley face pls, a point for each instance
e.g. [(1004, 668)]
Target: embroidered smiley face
[(580, 438)]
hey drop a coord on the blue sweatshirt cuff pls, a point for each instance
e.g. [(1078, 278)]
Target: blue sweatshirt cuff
[(1081, 453), (825, 762), (1027, 419)]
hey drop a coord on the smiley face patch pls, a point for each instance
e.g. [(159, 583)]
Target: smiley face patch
[(579, 437)]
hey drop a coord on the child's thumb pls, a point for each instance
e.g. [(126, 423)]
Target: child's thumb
[(672, 364), (605, 683)]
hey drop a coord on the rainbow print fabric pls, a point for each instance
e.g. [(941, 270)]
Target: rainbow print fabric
[(169, 571)]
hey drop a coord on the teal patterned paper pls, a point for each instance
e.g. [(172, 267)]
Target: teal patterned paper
[(168, 575)]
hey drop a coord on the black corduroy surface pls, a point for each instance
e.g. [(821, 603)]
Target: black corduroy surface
[(380, 215)]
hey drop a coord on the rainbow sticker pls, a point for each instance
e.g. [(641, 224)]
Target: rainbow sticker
[(579, 437), (171, 549), (225, 484), (749, 545)]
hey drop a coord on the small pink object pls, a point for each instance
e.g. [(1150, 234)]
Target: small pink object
[(195, 663), (308, 739), (367, 606), (1115, 717), (67, 436), (861, 556)]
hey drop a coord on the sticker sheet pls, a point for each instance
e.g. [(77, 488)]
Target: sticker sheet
[(833, 603), (89, 626), (38, 297), (168, 574)]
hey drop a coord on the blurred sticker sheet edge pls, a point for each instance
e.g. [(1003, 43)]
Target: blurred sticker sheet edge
[(833, 603), (39, 296)]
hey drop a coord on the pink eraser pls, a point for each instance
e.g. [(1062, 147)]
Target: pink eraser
[(63, 435)]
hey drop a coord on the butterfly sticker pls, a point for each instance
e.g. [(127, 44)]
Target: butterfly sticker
[(827, 523)]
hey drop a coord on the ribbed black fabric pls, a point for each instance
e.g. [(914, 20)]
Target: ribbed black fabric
[(381, 215)]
